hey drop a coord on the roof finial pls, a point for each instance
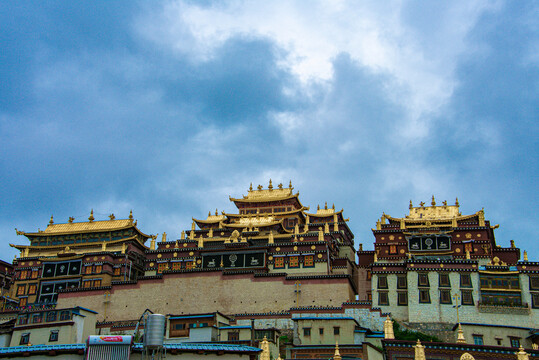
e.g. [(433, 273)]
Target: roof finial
[(433, 202), (216, 212), (130, 214), (270, 186), (326, 205), (91, 218), (318, 207), (337, 355), (333, 206), (411, 206), (51, 221), (71, 219), (251, 187), (290, 184), (280, 186), (112, 216), (457, 202), (209, 213), (525, 255)]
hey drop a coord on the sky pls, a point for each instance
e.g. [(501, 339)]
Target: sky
[(167, 108)]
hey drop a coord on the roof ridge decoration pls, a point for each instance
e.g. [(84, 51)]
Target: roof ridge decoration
[(269, 194)]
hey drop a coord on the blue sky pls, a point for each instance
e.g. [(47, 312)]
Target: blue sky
[(167, 108)]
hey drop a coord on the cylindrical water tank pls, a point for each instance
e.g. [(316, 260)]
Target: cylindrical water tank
[(154, 331)]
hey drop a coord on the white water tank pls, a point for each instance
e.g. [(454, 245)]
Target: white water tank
[(154, 332)]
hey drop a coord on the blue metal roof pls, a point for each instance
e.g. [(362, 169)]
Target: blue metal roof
[(191, 316), (32, 348), (323, 318), (205, 347), (235, 327)]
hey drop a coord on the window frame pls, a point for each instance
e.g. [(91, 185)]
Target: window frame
[(278, 262), (467, 283), (25, 339), (423, 276), (336, 330), (478, 339), (444, 283), (447, 301), (462, 298), (293, 262), (385, 297), (423, 299), (382, 282), (306, 332), (53, 336), (401, 278), (400, 301)]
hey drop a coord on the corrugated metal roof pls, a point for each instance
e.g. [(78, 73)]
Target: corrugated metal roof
[(17, 349), (206, 347)]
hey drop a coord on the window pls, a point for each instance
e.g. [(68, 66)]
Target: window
[(24, 274), (321, 331), (535, 300), (279, 262), (336, 330), (98, 269), (444, 280), (422, 279), (293, 262), (392, 249), (467, 297), (179, 326), (87, 283), (465, 280), (445, 296), (468, 247), (97, 283), (51, 316), (306, 331), (32, 289), (382, 282), (117, 271), (21, 290), (25, 339), (308, 261), (424, 296), (34, 274), (401, 282), (23, 301), (36, 318), (189, 265), (88, 269), (383, 298), (534, 282), (65, 315), (478, 339), (176, 266), (161, 267), (499, 341), (402, 298), (233, 336), (54, 335), (515, 342), (23, 320)]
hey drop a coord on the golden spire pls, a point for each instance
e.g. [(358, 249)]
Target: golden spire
[(460, 336), (525, 255), (91, 218), (388, 329), (411, 206), (164, 237), (251, 187), (193, 226), (318, 207), (337, 355), (201, 241), (183, 235), (216, 212), (419, 351), (320, 234), (152, 242), (130, 214), (457, 201), (290, 185), (51, 221), (112, 217), (521, 354), (264, 345), (375, 257), (209, 213), (326, 205), (433, 202), (270, 237), (280, 186), (71, 219), (270, 186)]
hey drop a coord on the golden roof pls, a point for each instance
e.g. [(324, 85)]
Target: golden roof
[(433, 212), (269, 194), (87, 226)]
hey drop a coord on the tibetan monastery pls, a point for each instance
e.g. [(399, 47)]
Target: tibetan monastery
[(270, 256)]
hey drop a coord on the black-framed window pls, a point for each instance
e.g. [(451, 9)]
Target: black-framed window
[(336, 330), (515, 342), (25, 339), (422, 279), (53, 335), (306, 331), (445, 296), (535, 300), (51, 316), (65, 315), (402, 298), (382, 282), (383, 298), (467, 297), (477, 339), (401, 282), (321, 331), (424, 296), (465, 280), (534, 282), (444, 280)]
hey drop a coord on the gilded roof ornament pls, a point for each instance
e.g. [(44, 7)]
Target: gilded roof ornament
[(130, 215), (411, 206), (444, 203), (422, 203), (280, 186), (270, 186), (419, 351), (112, 217), (71, 219), (259, 187), (51, 221), (457, 201), (216, 212), (91, 218), (388, 329), (290, 185), (337, 355), (525, 255), (433, 202), (251, 187), (521, 354)]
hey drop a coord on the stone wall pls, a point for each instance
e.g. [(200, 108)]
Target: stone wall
[(202, 292)]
